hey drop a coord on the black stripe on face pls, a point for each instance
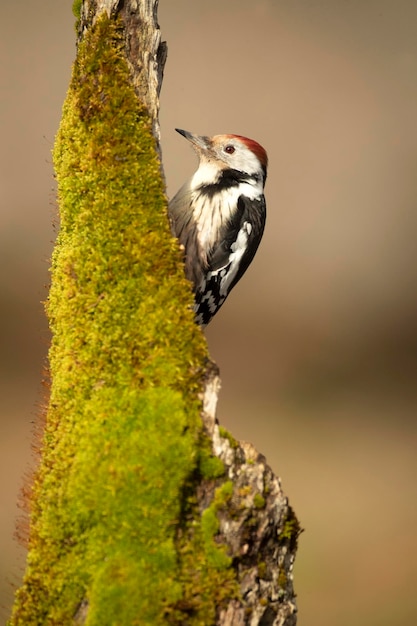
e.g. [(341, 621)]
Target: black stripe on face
[(228, 178)]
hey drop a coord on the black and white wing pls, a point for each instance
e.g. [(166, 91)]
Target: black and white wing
[(230, 256)]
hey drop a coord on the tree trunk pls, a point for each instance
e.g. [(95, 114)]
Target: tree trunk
[(143, 510)]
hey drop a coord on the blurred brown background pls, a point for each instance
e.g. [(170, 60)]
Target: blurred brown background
[(317, 345)]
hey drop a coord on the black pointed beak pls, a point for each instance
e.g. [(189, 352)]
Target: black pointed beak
[(202, 143)]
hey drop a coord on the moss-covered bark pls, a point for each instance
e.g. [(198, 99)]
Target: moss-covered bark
[(114, 525)]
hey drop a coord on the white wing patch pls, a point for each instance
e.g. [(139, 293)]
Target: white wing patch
[(238, 248), (215, 286)]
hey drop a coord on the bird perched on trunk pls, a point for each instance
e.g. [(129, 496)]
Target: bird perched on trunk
[(218, 216)]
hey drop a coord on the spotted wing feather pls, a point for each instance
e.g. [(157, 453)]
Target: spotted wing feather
[(230, 257)]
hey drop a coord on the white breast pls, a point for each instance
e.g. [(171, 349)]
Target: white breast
[(212, 212)]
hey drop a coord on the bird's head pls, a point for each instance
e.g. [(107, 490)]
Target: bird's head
[(229, 152)]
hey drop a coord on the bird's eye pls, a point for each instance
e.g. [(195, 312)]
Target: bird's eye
[(229, 149)]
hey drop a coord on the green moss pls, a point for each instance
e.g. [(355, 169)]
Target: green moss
[(258, 501), (226, 435), (76, 8), (206, 575), (210, 526), (282, 578), (216, 556), (288, 536), (123, 435), (262, 569), (291, 530), (223, 495), (211, 466)]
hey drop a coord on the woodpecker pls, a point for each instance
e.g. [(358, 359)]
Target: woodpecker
[(218, 216)]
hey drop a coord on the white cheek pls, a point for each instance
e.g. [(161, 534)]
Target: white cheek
[(245, 161), (206, 173)]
